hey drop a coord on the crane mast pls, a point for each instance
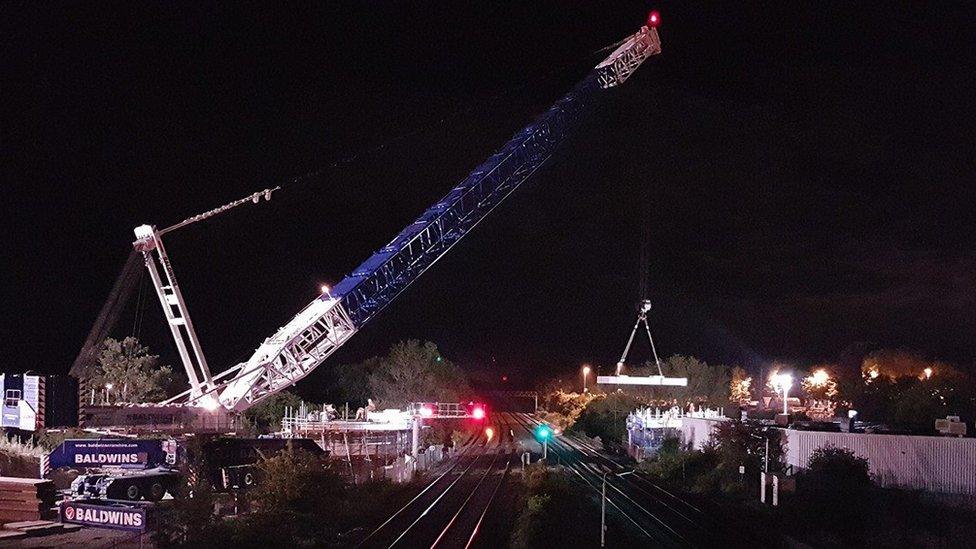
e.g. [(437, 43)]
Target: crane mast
[(330, 320)]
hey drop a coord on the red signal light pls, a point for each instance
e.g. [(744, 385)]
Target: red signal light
[(653, 19), (478, 412)]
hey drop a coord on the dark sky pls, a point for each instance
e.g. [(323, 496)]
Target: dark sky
[(809, 172)]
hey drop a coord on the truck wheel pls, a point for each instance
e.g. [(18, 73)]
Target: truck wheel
[(132, 492), (156, 491)]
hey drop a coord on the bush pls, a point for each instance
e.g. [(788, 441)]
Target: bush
[(694, 470), (555, 512), (715, 467), (49, 439), (295, 480), (834, 495), (837, 470)]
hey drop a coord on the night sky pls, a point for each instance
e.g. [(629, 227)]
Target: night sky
[(809, 172)]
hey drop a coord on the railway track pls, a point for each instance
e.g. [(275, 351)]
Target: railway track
[(472, 504), (657, 514), (452, 509)]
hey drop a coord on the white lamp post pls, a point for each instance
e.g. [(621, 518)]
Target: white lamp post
[(784, 382), (586, 372)]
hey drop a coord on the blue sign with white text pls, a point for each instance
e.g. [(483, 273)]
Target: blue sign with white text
[(118, 517), (114, 453)]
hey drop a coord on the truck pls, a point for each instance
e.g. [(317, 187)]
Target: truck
[(148, 469)]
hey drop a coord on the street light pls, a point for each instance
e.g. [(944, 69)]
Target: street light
[(783, 382), (603, 507), (586, 372)]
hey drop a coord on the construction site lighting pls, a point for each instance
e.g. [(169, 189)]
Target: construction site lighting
[(783, 382), (927, 372), (109, 386), (478, 412), (489, 433), (209, 403), (818, 378), (426, 411), (325, 288)]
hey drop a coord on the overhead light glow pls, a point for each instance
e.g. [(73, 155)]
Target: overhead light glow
[(819, 378), (209, 403), (478, 412), (783, 382), (653, 19)]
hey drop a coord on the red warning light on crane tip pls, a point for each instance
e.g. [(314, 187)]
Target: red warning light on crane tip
[(653, 19), (478, 412)]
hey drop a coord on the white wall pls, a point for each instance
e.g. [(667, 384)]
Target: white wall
[(934, 464)]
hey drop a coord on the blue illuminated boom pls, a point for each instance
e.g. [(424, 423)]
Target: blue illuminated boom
[(379, 279), (325, 324)]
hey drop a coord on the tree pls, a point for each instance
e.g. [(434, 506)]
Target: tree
[(908, 392), (133, 374), (606, 417), (821, 387), (744, 443), (739, 386), (707, 384), (898, 363), (267, 414), (820, 384), (415, 372), (354, 381)]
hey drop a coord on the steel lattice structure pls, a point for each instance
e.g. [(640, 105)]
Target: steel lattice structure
[(330, 320)]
